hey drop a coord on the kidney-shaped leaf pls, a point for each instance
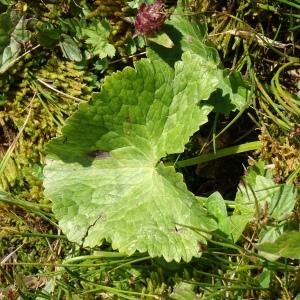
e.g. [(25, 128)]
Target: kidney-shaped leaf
[(104, 174)]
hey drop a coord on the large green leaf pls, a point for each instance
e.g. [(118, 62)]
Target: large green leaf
[(104, 174), (189, 34), (193, 33)]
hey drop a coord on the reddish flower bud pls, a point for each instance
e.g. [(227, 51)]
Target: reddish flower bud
[(150, 18)]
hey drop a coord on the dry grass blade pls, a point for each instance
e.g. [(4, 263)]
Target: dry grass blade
[(257, 37), (49, 86), (10, 255)]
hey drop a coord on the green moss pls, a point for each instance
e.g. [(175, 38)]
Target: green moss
[(47, 111)]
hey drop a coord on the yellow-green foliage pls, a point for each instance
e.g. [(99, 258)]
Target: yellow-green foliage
[(281, 151), (47, 111), (117, 11)]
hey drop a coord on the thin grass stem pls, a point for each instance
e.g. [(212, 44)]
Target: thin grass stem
[(219, 153)]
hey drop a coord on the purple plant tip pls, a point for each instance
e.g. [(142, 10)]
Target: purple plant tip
[(150, 18)]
